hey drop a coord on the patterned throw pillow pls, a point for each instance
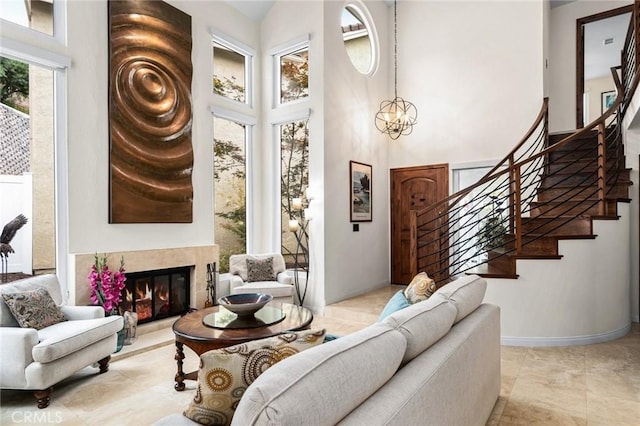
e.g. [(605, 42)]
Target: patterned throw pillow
[(420, 288), (226, 373), (260, 269), (34, 308)]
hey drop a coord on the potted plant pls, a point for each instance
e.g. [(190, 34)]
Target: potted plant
[(492, 229)]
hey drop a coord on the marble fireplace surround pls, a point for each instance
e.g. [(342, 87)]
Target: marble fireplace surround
[(148, 260)]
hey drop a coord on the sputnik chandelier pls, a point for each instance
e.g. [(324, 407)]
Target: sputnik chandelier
[(398, 116)]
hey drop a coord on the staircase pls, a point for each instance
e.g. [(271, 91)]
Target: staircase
[(566, 204), (550, 187)]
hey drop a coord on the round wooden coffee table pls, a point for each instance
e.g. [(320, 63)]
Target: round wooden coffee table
[(191, 331)]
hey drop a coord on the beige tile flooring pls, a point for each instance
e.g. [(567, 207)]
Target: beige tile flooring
[(582, 385)]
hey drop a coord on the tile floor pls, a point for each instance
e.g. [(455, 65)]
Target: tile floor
[(579, 385)]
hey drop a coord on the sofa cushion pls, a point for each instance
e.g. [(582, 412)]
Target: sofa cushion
[(397, 302), (325, 383), (260, 270), (465, 293), (48, 281), (420, 288), (422, 324), (64, 338), (33, 308), (226, 373)]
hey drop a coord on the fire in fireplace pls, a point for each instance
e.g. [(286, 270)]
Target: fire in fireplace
[(157, 294)]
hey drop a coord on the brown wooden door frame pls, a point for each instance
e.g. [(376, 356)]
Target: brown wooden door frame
[(438, 175), (580, 23)]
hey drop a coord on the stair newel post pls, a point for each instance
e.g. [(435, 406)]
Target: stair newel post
[(512, 198), (413, 242), (602, 169), (517, 208)]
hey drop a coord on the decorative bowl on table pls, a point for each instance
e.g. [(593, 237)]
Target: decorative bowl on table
[(246, 304)]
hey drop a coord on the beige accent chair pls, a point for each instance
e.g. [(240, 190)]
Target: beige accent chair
[(35, 360), (281, 289)]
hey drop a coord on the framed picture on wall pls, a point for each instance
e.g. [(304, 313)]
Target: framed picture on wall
[(608, 98), (360, 191)]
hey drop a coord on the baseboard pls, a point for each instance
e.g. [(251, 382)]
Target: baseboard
[(565, 341)]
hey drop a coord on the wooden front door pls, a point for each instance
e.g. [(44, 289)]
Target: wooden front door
[(412, 188)]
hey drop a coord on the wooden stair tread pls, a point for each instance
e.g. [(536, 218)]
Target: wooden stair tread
[(604, 217), (488, 271), (512, 254), (566, 236)]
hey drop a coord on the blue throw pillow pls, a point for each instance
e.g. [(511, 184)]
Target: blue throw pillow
[(329, 337), (396, 303)]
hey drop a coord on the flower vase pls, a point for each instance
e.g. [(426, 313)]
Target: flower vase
[(120, 343)]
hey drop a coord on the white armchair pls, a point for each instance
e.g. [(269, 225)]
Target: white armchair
[(35, 360), (280, 286)]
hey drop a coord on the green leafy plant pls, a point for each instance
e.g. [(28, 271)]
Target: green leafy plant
[(492, 229), (14, 83)]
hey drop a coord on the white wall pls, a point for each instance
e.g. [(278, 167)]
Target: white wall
[(474, 71), (89, 230), (356, 262), (632, 152), (594, 89), (574, 300), (562, 58)]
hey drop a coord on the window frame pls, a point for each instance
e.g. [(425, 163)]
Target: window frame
[(249, 123), (249, 61), (276, 54), (362, 10)]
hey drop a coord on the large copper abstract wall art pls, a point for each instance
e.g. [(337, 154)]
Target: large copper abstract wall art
[(150, 113)]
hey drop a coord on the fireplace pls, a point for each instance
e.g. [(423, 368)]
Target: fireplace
[(157, 294)]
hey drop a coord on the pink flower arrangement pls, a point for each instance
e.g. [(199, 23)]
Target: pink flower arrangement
[(106, 286)]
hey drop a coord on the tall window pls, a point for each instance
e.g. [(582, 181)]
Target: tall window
[(230, 180), (294, 179), (231, 71), (291, 72), (27, 177)]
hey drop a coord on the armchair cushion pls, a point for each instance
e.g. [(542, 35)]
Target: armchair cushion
[(65, 338), (238, 263), (33, 308), (270, 287), (48, 281), (260, 270)]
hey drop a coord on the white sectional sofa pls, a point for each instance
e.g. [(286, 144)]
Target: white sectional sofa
[(436, 362)]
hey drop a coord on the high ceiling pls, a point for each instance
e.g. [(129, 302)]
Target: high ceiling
[(254, 9)]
